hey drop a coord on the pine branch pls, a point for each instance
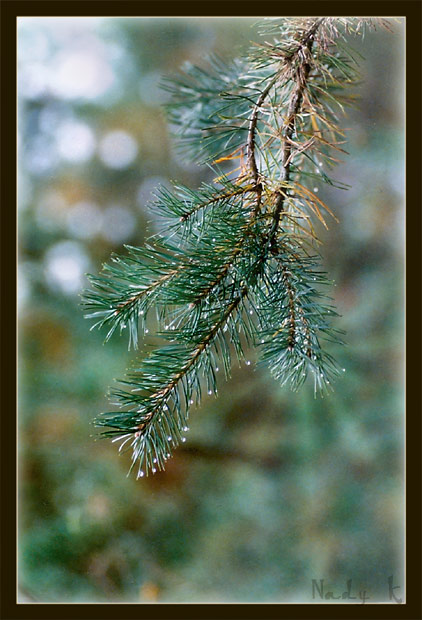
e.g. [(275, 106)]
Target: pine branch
[(235, 264), (170, 384), (163, 275)]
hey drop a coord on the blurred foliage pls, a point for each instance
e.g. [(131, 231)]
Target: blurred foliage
[(272, 489)]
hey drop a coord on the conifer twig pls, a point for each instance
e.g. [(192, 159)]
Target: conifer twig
[(301, 76), (240, 265)]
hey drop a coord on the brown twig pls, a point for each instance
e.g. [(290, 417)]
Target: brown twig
[(300, 76)]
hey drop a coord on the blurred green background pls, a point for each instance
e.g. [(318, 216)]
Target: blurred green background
[(272, 488)]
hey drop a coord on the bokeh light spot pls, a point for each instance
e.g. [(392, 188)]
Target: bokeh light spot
[(75, 141), (85, 74), (64, 266), (118, 149)]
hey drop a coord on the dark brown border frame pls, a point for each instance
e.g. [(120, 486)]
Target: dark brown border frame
[(10, 10)]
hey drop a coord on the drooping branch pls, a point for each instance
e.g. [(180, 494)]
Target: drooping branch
[(230, 276)]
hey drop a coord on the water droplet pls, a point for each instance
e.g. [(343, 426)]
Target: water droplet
[(167, 455), (183, 439), (315, 190), (344, 370), (141, 474), (210, 392), (168, 438), (248, 363), (213, 239), (216, 369), (320, 164), (154, 460), (166, 326), (153, 470), (186, 428), (250, 311), (191, 402), (147, 331), (141, 312), (262, 341)]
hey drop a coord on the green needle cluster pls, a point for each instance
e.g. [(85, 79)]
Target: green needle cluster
[(236, 265)]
